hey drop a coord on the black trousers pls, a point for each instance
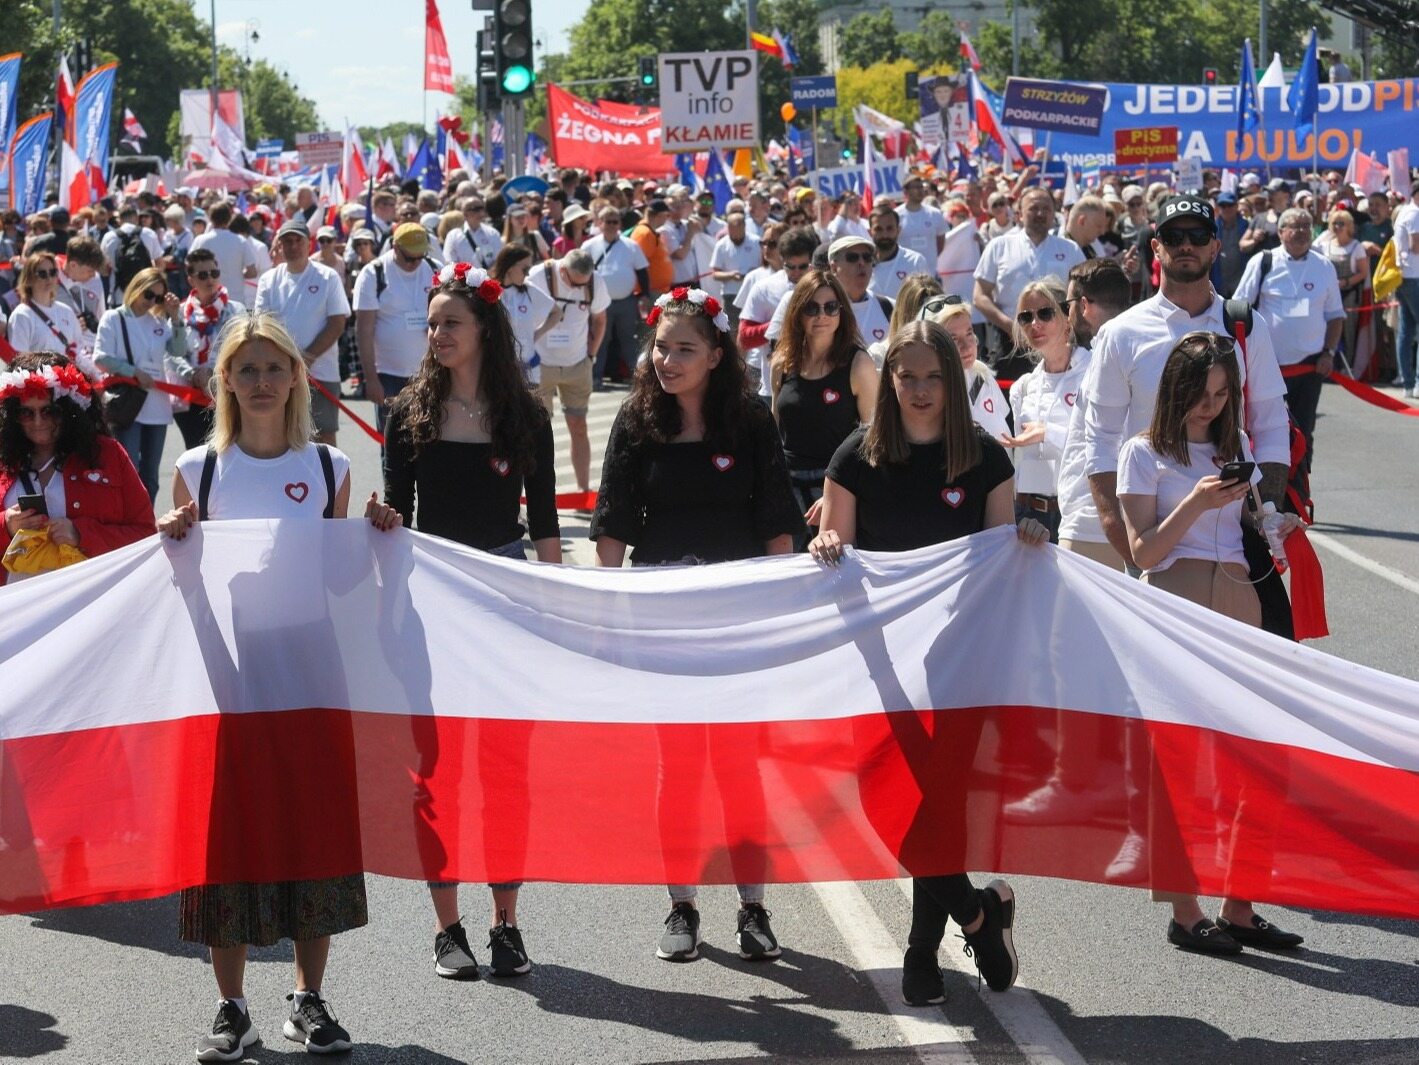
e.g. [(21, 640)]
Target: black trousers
[(1302, 399), (1270, 589)]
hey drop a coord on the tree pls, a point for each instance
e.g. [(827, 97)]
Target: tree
[(273, 106), (869, 39), (881, 87), (935, 40)]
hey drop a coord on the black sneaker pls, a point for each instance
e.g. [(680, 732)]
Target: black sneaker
[(313, 1026), (509, 957), (681, 939), (453, 957), (992, 946), (756, 938), (232, 1033), (922, 984)]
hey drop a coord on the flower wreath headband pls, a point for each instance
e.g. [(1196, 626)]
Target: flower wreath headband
[(67, 382), (699, 297), (489, 291)]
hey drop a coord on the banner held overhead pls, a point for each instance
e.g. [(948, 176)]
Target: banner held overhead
[(709, 100)]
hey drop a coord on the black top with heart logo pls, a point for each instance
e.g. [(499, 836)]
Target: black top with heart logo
[(815, 416), (903, 507), (678, 500)]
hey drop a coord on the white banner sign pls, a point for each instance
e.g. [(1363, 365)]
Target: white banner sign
[(709, 100)]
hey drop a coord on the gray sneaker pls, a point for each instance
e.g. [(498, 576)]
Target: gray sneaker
[(453, 957), (313, 1026), (681, 939), (232, 1033)]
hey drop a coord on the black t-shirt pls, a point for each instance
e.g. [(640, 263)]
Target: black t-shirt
[(815, 416), (465, 492), (901, 507), (691, 500)]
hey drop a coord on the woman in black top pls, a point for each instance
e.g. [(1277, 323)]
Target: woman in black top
[(922, 473), (823, 382), (466, 438), (694, 472)]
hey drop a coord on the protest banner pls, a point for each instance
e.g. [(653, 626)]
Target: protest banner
[(820, 91), (709, 100), (1060, 106), (593, 138), (1157, 144), (886, 180), (320, 149)]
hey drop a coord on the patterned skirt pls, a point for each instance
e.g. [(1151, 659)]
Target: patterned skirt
[(229, 915)]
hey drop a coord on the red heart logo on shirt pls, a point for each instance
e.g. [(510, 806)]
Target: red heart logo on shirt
[(500, 466), (901, 275), (1069, 399), (522, 308), (953, 497), (989, 405), (722, 463), (1310, 285), (878, 334), (831, 395), (1217, 461), (298, 491), (312, 289)]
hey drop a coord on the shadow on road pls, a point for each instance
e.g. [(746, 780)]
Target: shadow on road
[(27, 1033), (1338, 528)]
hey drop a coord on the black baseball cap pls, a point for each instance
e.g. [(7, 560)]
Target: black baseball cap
[(1186, 209)]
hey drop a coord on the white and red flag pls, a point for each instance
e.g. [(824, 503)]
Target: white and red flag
[(353, 174), (438, 67), (132, 128), (968, 53), (445, 714)]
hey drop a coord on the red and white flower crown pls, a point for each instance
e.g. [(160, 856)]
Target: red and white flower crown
[(476, 278), (699, 297), (68, 382)]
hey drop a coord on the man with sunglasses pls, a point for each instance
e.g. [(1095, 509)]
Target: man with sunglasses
[(795, 248), (391, 316), (622, 265), (1121, 386), (475, 241), (851, 261), (207, 308)]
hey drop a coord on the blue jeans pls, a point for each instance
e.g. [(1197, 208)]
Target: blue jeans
[(392, 387), (144, 444), (1408, 296)]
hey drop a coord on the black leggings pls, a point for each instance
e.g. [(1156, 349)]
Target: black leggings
[(934, 898)]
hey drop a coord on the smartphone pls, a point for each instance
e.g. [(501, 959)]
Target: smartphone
[(1237, 471), (34, 502)]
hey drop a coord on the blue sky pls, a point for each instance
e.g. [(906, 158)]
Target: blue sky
[(363, 60)]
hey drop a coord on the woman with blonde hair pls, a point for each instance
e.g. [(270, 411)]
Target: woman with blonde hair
[(915, 292), (41, 322), (261, 463), (989, 407), (1347, 256), (145, 339), (518, 229)]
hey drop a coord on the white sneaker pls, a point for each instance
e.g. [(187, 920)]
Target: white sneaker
[(1130, 863), (1411, 393), (1055, 803)]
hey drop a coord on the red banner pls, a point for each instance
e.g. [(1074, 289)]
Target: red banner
[(1156, 144), (438, 68), (591, 138)]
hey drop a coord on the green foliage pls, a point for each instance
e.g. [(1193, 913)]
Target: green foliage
[(936, 40), (273, 106), (394, 131), (868, 39), (881, 87)]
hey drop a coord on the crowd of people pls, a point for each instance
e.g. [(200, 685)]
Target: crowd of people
[(801, 377)]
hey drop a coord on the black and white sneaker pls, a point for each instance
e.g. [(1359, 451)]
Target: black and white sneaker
[(509, 957), (681, 939), (232, 1033), (992, 946), (756, 938), (922, 983), (453, 957), (313, 1026)]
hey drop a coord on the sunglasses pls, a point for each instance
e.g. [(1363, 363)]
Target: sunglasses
[(1218, 343), (325, 240), (33, 414), (937, 303), (1028, 318), (46, 275), (857, 257), (205, 275), (152, 295), (832, 308), (797, 268), (1174, 238)]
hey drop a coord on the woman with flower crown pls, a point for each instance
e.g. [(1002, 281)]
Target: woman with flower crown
[(695, 473), (53, 444)]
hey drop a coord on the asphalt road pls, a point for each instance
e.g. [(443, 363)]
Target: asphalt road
[(1098, 982)]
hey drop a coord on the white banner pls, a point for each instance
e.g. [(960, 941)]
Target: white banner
[(709, 100)]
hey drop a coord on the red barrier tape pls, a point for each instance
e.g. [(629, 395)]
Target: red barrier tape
[(1372, 307), (370, 431), (573, 500), (1356, 388), (186, 393)]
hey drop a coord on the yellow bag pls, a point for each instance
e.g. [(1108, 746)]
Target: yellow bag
[(1387, 276), (32, 551)]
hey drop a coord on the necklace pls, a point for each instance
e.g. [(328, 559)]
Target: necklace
[(473, 410)]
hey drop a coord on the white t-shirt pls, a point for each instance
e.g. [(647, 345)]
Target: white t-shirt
[(1048, 398), (1216, 536), (147, 348), (82, 295), (758, 300), (305, 302), (1298, 298), (740, 258), (872, 319), (1078, 514), (477, 246), (565, 343), (27, 331), (989, 405), (617, 264), (110, 243), (527, 308), (401, 326), (262, 255), (233, 255), (1011, 262), (888, 275), (292, 486), (682, 271), (920, 228), (1406, 228), (843, 226)]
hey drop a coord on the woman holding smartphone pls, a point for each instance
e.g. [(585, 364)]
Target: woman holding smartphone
[(1184, 521)]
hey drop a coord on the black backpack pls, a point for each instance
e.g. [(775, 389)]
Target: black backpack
[(131, 258)]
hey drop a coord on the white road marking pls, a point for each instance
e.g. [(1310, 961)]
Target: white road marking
[(1379, 569)]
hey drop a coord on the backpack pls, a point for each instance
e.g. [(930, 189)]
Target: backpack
[(1266, 261), (380, 284), (209, 470), (131, 258)]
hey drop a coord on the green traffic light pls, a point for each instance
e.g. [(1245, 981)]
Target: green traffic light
[(647, 80), (516, 79)]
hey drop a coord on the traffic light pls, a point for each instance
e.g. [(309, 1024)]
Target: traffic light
[(1209, 75), (487, 70), (513, 30), (911, 86), (647, 71)]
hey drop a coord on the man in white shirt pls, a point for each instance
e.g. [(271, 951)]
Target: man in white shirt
[(1121, 386), (621, 265), (1009, 263), (923, 226), (1406, 245), (475, 241), (704, 214), (735, 254), (848, 221), (309, 298), (391, 316), (851, 260), (235, 256), (568, 350), (81, 287), (1296, 290), (894, 263), (762, 301), (758, 216), (1088, 221), (678, 236)]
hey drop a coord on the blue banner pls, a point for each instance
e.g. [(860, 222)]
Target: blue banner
[(270, 148), (1374, 116), (886, 180), (9, 107), (1063, 106), (93, 110), (820, 91), (27, 164)]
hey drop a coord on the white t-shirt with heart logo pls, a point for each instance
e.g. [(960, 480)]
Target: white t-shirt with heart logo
[(305, 302), (527, 308), (1049, 399), (888, 274), (291, 486)]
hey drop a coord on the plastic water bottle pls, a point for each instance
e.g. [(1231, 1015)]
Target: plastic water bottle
[(1271, 526)]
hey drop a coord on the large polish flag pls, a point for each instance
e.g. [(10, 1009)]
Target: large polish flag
[(273, 700)]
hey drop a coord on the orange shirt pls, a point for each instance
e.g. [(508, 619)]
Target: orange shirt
[(661, 272)]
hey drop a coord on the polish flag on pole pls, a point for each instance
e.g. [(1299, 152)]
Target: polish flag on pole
[(388, 166), (869, 191), (438, 67), (64, 97), (353, 174), (968, 52), (307, 666), (73, 178), (132, 128), (1366, 172)]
